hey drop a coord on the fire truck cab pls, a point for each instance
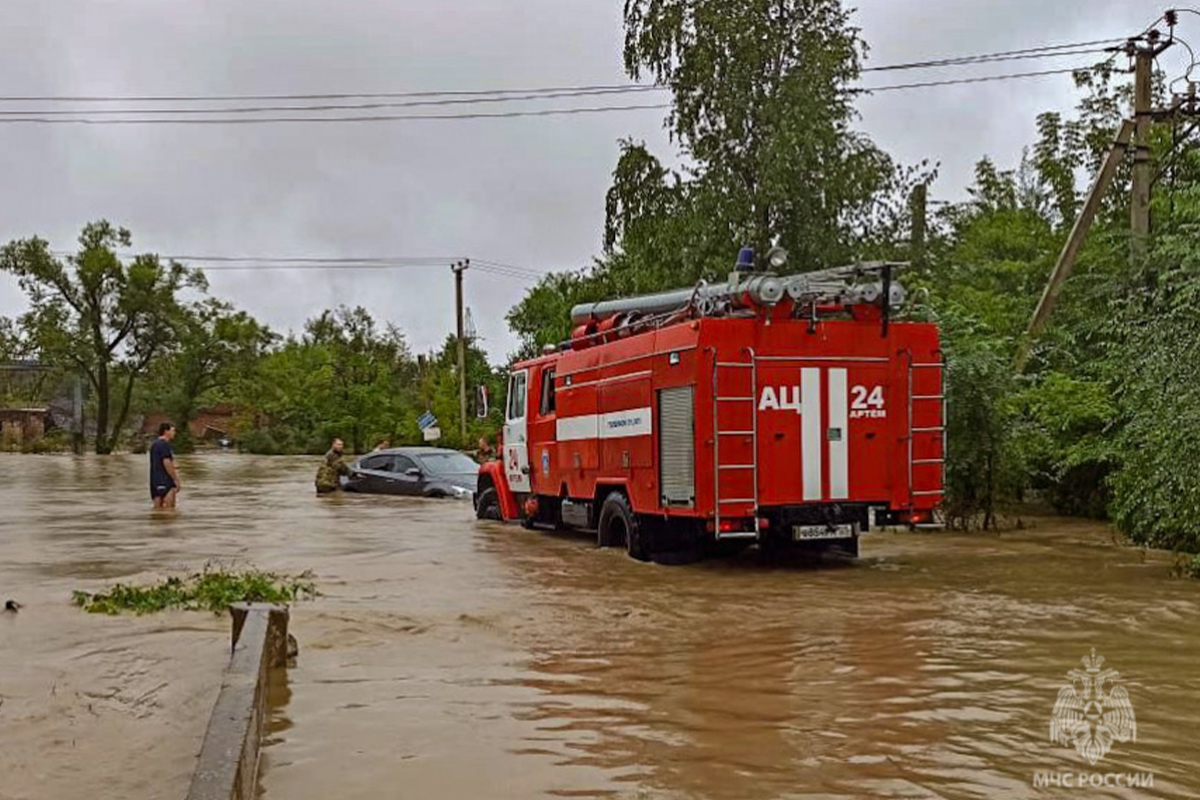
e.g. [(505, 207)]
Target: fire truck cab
[(792, 413)]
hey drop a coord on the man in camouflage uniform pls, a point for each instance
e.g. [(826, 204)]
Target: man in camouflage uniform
[(333, 468)]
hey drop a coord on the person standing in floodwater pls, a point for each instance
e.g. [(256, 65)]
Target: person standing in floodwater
[(332, 469), (486, 452), (164, 476)]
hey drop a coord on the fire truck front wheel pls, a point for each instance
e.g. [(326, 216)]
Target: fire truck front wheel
[(488, 506), (618, 523)]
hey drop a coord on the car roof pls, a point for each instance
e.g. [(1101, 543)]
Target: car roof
[(415, 451)]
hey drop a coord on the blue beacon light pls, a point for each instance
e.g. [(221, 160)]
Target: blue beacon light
[(745, 261)]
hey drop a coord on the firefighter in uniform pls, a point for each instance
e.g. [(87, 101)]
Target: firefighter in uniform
[(333, 468)]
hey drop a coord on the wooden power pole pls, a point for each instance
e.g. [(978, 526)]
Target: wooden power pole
[(1066, 259), (1134, 137), (459, 269), (919, 203), (1143, 67)]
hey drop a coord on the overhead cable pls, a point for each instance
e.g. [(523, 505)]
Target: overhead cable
[(551, 112), (513, 94)]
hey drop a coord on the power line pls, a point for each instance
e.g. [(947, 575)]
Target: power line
[(333, 107), (347, 267), (275, 266), (484, 115), (375, 260), (451, 97), (327, 96), (953, 81), (286, 260), (505, 266), (210, 263), (551, 112), (583, 92), (334, 268), (219, 263), (1049, 51), (514, 275)]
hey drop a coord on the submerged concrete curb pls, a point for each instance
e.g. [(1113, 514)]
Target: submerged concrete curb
[(228, 765)]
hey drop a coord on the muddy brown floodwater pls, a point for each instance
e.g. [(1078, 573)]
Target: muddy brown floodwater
[(450, 659)]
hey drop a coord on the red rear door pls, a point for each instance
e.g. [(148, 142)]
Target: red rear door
[(823, 431)]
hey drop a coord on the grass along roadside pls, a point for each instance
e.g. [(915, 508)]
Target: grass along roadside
[(212, 589)]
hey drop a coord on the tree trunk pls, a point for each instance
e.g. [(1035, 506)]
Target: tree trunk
[(183, 428), (103, 446), (989, 516), (189, 409), (123, 415)]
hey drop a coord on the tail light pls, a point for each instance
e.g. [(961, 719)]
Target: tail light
[(736, 525)]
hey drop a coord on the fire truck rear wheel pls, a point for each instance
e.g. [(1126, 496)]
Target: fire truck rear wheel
[(618, 524), (489, 505)]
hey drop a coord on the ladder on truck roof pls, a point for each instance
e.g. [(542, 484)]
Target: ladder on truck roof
[(915, 407), (720, 469)]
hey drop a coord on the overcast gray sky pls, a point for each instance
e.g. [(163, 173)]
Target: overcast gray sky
[(528, 192)]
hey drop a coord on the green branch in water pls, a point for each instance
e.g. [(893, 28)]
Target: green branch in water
[(210, 590)]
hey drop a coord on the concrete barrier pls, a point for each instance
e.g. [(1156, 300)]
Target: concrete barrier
[(228, 765)]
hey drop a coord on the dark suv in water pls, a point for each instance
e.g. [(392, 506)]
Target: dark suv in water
[(415, 471)]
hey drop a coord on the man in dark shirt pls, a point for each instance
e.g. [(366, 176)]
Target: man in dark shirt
[(164, 477)]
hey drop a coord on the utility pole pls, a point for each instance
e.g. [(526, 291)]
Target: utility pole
[(919, 203), (1133, 138), (1144, 51), (1143, 65), (1066, 259), (459, 269)]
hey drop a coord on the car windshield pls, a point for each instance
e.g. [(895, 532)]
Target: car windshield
[(448, 463)]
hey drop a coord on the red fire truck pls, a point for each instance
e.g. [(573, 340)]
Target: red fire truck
[(792, 412)]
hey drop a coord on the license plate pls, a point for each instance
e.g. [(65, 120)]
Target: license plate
[(808, 533)]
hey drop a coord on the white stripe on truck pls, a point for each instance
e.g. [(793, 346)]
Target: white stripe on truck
[(839, 442), (613, 425), (811, 440)]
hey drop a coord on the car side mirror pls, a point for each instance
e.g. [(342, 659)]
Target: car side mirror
[(413, 471)]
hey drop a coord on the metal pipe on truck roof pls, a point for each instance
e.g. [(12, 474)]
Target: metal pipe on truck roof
[(759, 290), (650, 304)]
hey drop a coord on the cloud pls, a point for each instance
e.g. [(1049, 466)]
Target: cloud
[(522, 191)]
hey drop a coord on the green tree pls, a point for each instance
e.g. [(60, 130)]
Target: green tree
[(345, 376), (19, 386), (543, 317), (1061, 429), (762, 115), (99, 316), (12, 345), (214, 345), (368, 370), (285, 403), (1155, 331), (1046, 431), (762, 111), (439, 394)]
